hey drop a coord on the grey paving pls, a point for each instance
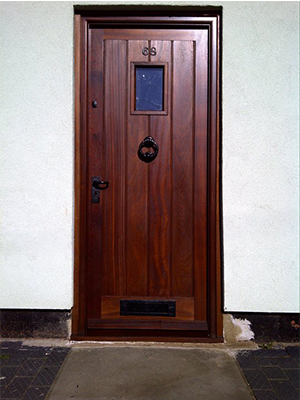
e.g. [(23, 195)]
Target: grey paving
[(27, 372), (273, 374), (150, 374)]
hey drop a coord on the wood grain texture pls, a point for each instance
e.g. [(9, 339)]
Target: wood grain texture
[(133, 335), (200, 175), (114, 158), (153, 226), (219, 228), (146, 324), (213, 189), (81, 51), (137, 194), (153, 34), (76, 325), (160, 189), (183, 168), (110, 307), (95, 147)]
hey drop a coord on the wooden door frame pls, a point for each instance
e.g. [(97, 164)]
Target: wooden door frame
[(191, 18)]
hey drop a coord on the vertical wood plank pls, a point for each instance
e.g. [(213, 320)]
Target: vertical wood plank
[(200, 213), (137, 192), (113, 198), (78, 317), (160, 189), (95, 147), (183, 168), (218, 130)]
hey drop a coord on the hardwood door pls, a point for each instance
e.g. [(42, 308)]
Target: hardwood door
[(146, 234)]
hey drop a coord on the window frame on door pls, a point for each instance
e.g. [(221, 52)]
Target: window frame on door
[(133, 66)]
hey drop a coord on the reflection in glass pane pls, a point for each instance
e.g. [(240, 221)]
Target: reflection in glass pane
[(149, 88)]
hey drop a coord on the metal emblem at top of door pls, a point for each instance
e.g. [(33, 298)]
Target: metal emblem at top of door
[(146, 52)]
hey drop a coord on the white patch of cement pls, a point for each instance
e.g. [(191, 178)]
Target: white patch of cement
[(245, 326)]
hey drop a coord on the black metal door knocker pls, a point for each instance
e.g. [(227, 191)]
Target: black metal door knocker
[(148, 156)]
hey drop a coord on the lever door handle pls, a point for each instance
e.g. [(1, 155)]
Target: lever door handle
[(97, 185)]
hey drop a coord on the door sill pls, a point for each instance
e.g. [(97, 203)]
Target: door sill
[(117, 337)]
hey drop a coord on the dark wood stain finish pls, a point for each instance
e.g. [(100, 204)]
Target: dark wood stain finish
[(160, 187), (156, 233), (182, 165), (137, 192)]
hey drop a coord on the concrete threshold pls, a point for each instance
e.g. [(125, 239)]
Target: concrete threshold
[(135, 371), (234, 346), (247, 345)]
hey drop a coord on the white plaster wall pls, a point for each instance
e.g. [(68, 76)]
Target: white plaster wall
[(260, 154), (36, 202)]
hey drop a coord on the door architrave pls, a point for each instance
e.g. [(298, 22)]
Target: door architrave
[(210, 20)]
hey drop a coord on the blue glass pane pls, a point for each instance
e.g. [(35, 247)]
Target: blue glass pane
[(149, 88)]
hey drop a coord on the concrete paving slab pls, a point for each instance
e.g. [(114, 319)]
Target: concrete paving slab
[(150, 374)]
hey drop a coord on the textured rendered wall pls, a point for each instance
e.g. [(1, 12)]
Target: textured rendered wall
[(37, 140), (260, 155)]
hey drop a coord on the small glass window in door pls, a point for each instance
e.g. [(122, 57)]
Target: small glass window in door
[(149, 88)]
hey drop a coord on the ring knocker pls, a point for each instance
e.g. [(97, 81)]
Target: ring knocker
[(148, 156)]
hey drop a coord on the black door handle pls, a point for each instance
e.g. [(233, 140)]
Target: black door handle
[(97, 185)]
